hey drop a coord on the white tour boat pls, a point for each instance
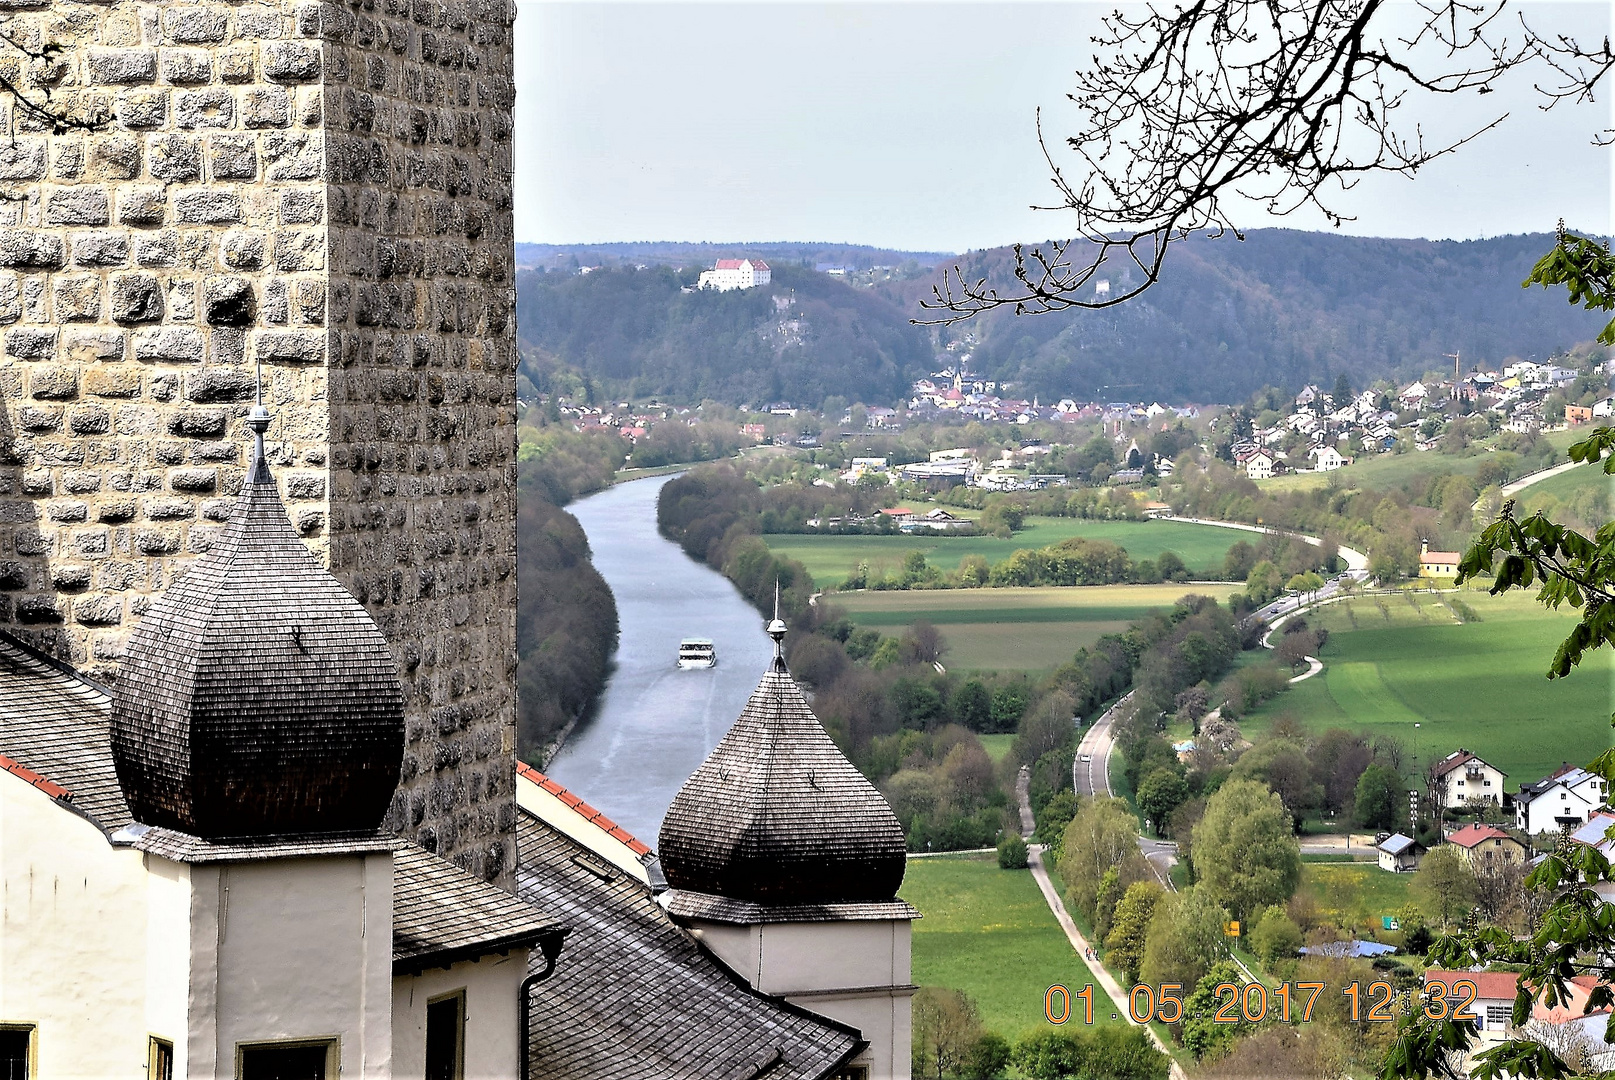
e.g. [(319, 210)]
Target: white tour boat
[(697, 653)]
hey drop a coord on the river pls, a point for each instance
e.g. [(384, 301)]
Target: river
[(655, 723)]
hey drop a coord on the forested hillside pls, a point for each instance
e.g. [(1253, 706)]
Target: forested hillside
[(1285, 308), (1280, 308), (637, 333)]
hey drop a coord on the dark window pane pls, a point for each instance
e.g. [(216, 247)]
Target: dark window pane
[(443, 1028), (14, 1054), (283, 1063), (162, 1060)]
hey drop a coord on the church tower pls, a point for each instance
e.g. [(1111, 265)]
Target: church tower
[(192, 190), (786, 862)]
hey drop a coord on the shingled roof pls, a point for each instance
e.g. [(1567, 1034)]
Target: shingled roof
[(635, 997), (54, 735), (53, 723), (257, 696), (776, 815)]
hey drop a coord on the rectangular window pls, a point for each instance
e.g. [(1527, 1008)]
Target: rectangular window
[(1498, 1016), (445, 1037), (303, 1060), (16, 1051), (160, 1060), (852, 1072)]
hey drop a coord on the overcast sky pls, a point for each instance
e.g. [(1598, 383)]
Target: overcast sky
[(910, 125)]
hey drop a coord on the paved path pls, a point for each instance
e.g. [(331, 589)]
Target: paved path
[(1526, 481), (1092, 777), (1023, 798), (1106, 981), (1314, 665), (1355, 560)]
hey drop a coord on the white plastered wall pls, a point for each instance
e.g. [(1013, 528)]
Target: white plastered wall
[(93, 948), (292, 949), (856, 971), (492, 1021)]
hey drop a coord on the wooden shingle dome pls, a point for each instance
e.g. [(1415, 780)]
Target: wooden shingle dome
[(257, 697), (776, 815)]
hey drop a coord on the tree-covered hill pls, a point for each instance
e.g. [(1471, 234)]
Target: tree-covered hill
[(1281, 308), (1286, 308), (805, 338)]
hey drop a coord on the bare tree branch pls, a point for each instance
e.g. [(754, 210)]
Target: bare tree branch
[(1288, 103)]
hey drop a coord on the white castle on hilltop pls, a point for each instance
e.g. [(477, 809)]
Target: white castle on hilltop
[(736, 274)]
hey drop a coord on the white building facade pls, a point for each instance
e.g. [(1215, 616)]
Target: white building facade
[(730, 274)]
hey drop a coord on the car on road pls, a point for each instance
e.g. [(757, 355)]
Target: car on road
[(1084, 757)]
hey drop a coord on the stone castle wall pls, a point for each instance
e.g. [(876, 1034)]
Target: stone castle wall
[(323, 189)]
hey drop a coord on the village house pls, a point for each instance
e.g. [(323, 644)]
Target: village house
[(1568, 796), (1485, 846), (1463, 779), (1399, 854), (1493, 1007), (1329, 459), (1259, 464)]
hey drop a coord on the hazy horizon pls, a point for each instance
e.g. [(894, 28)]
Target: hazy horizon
[(911, 126)]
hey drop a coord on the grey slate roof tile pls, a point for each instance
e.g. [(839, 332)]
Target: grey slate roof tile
[(634, 997), (256, 695), (776, 815), (54, 722), (442, 914)]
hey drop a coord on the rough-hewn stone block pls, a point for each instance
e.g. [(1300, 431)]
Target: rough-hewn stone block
[(136, 298), (187, 25), (77, 206), (117, 66), (181, 344), (185, 66), (229, 301), (208, 206)]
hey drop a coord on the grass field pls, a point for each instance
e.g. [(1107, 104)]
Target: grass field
[(990, 933), (1016, 629), (1479, 685), (997, 746), (1356, 894), (830, 559), (1568, 483), (1389, 470)]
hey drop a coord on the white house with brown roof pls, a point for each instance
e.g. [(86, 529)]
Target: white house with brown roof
[(1462, 778)]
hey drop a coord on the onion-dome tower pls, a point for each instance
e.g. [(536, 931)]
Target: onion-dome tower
[(257, 697), (777, 816)]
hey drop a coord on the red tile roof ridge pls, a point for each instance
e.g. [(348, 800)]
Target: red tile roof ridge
[(1472, 834), (1488, 984), (589, 813), (49, 787)]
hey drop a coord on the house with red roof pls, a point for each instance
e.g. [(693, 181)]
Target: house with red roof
[(1486, 846), (1493, 1002)]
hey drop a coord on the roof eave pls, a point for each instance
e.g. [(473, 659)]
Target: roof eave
[(417, 962)]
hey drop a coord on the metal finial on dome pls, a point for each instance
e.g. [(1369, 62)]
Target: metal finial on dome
[(258, 421), (776, 629)]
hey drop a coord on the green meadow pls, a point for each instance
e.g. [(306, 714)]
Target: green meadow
[(1391, 662), (1016, 629), (831, 559), (990, 933), (1392, 470), (1568, 484), (1356, 895)]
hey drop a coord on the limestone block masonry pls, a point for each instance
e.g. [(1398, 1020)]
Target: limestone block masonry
[(322, 188)]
